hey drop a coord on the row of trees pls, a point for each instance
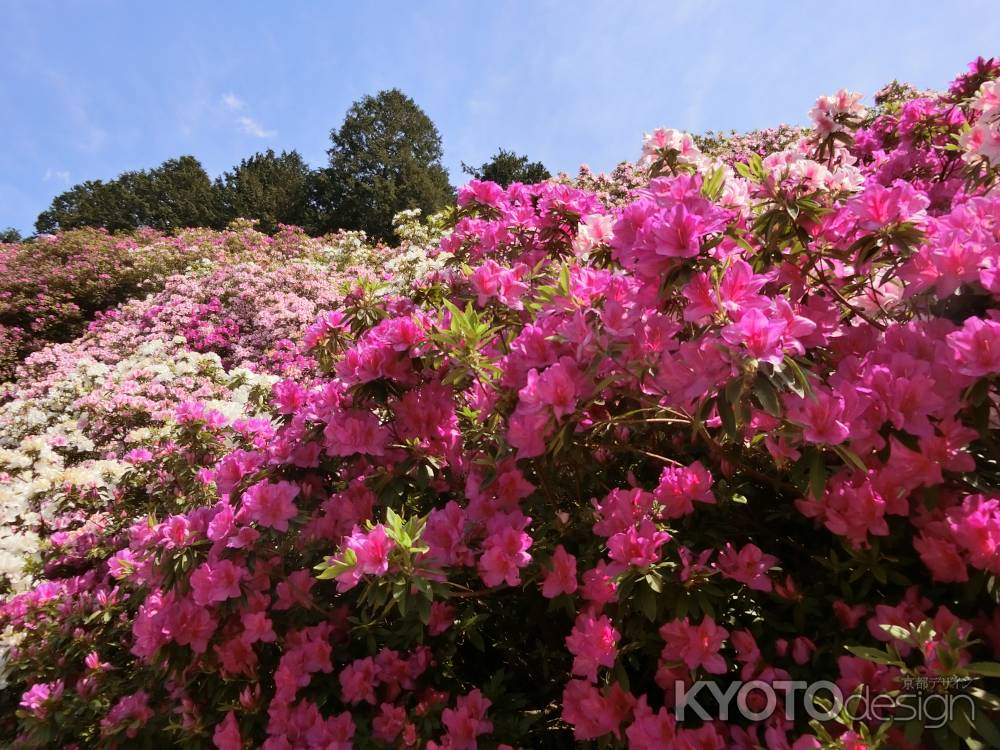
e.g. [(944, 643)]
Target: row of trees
[(385, 157)]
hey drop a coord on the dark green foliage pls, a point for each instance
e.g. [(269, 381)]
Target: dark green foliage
[(10, 235), (270, 188), (385, 158), (176, 194), (506, 167)]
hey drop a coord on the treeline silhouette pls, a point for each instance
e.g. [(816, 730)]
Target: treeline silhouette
[(385, 158)]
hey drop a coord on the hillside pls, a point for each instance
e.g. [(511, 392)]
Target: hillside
[(564, 453)]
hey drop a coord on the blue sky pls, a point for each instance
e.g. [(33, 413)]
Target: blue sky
[(95, 87)]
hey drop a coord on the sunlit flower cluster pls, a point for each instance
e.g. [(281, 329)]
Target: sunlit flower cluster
[(734, 420)]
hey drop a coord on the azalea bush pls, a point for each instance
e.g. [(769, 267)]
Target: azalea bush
[(703, 420), (52, 287), (217, 333)]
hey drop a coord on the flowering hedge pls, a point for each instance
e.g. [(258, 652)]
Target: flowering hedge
[(52, 287), (218, 334), (738, 427)]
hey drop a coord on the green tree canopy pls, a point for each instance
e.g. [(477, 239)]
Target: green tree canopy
[(10, 235), (506, 167), (178, 193), (385, 158), (273, 189)]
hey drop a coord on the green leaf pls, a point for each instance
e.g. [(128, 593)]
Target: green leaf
[(986, 729), (817, 476), (621, 676), (945, 739), (655, 581), (767, 395), (393, 519), (985, 668), (726, 414), (711, 188), (475, 639), (800, 376), (647, 603), (850, 457), (960, 723), (896, 631), (873, 655), (423, 609), (913, 731)]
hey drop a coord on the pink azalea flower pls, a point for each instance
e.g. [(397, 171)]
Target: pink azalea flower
[(505, 552), (257, 627), (358, 681), (40, 696), (599, 585), (216, 582), (680, 487), (638, 547), (650, 731), (695, 645), (593, 713), (355, 432), (749, 566), (593, 644), (441, 619), (467, 721), (758, 334), (976, 347), (272, 504), (820, 415), (561, 579), (389, 723), (371, 550), (227, 734)]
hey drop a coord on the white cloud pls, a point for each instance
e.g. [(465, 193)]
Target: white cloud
[(56, 175), (254, 128), (232, 102), (249, 125)]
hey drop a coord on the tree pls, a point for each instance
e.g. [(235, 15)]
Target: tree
[(89, 204), (271, 189), (176, 194), (10, 235), (506, 167), (385, 158)]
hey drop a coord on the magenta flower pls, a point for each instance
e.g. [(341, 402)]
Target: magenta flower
[(637, 547), (271, 504), (505, 552), (820, 415), (39, 697), (593, 712), (216, 582), (371, 554), (593, 644), (758, 334), (749, 566), (680, 487), (561, 579), (358, 681), (695, 645), (227, 734), (649, 730), (976, 347)]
